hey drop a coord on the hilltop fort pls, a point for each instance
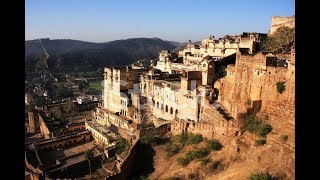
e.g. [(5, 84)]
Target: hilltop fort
[(207, 88)]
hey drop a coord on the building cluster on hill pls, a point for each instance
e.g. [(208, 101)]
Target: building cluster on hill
[(183, 92)]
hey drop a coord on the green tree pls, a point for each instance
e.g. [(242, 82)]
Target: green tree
[(256, 126), (88, 155), (281, 41), (56, 112), (61, 92), (149, 140), (69, 108), (83, 85), (122, 145)]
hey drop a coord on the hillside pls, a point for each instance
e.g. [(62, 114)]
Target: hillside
[(74, 56), (275, 157)]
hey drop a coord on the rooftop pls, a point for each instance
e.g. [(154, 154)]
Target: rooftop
[(48, 157), (168, 83), (104, 131)]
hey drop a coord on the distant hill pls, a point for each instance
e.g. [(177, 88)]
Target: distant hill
[(179, 47), (183, 45), (68, 55), (176, 43)]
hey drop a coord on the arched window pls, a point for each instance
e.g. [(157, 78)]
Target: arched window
[(158, 105), (166, 108), (171, 110)]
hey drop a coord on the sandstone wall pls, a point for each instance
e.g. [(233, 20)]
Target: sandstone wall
[(211, 126), (253, 86), (278, 21), (125, 166), (156, 131)]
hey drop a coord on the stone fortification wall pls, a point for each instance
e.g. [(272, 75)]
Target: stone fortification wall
[(223, 132), (212, 125), (278, 21), (155, 131), (125, 165), (253, 86)]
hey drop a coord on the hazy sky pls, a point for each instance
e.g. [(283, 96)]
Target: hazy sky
[(176, 20)]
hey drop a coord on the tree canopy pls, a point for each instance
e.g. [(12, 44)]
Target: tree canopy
[(281, 41), (61, 92), (88, 154)]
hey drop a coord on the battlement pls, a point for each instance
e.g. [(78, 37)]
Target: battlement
[(278, 21)]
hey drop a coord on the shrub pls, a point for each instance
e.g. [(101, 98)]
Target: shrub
[(149, 140), (214, 145), (187, 139), (197, 154), (256, 126), (194, 139), (183, 161), (261, 176), (260, 142), (280, 87), (284, 137), (264, 129), (191, 155), (122, 145), (172, 149), (183, 138)]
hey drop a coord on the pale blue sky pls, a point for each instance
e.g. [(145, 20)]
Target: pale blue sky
[(176, 20)]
